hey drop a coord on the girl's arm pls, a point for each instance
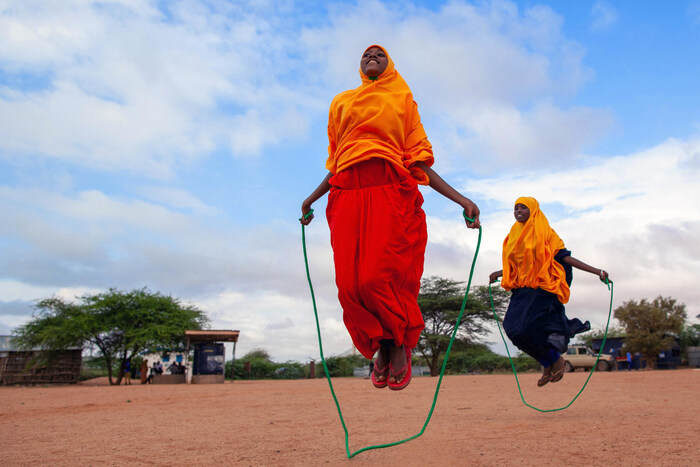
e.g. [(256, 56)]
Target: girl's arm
[(495, 275), (444, 188), (321, 190), (571, 261)]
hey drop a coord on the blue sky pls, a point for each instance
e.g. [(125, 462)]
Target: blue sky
[(170, 144)]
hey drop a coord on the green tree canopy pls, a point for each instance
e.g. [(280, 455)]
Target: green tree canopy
[(118, 324), (690, 336), (651, 327), (258, 353), (440, 301)]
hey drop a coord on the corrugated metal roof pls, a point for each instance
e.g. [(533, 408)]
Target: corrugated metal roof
[(212, 335)]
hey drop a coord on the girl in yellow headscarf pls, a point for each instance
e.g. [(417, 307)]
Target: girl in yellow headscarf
[(377, 154), (538, 270)]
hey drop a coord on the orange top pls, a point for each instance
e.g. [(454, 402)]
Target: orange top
[(528, 255), (378, 119)]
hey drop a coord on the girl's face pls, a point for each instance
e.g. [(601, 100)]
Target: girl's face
[(373, 62), (521, 213)]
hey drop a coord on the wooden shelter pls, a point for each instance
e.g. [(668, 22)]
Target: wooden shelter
[(38, 366)]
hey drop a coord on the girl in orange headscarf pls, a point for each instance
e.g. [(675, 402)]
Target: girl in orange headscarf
[(377, 154), (538, 270)]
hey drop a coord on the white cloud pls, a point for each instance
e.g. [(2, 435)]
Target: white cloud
[(176, 198), (545, 134), (95, 240), (283, 325), (14, 290), (131, 90), (18, 300), (136, 89), (252, 280), (486, 77), (603, 14)]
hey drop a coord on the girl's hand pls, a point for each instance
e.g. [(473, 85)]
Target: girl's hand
[(493, 277), (472, 212), (603, 275), (305, 209)]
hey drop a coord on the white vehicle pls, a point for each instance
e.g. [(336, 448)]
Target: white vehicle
[(581, 356)]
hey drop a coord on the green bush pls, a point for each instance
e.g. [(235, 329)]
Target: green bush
[(337, 366), (340, 366), (235, 367), (265, 369), (290, 370), (260, 369), (480, 359), (524, 362)]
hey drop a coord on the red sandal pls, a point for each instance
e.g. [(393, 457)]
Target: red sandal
[(406, 369), (381, 372)]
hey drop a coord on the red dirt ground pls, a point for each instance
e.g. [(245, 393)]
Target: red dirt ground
[(622, 418)]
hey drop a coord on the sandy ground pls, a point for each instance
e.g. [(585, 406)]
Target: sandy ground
[(622, 418)]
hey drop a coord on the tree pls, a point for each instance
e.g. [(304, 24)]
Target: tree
[(440, 301), (650, 327), (689, 337), (258, 353), (118, 324), (261, 365)]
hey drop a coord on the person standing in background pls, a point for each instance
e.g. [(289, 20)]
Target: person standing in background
[(144, 371), (127, 371)]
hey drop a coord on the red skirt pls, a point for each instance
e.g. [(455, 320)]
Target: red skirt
[(378, 235)]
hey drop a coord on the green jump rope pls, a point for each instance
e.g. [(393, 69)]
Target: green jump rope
[(350, 455), (609, 283), (444, 363)]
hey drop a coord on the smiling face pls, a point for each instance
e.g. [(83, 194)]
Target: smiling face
[(521, 213), (373, 62)]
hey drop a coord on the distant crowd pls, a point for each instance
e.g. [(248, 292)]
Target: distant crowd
[(145, 373)]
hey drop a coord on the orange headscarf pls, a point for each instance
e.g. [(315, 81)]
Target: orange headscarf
[(378, 119), (528, 255)]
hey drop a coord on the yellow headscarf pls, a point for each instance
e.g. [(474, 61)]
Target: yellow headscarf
[(378, 119), (528, 255)]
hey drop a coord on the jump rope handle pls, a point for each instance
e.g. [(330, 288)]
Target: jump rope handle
[(306, 216), (464, 213)]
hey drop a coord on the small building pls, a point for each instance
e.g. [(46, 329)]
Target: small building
[(37, 366), (209, 362), (669, 358), (207, 366)]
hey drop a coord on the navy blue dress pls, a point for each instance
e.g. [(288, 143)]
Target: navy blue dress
[(536, 321)]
